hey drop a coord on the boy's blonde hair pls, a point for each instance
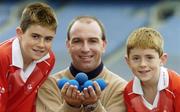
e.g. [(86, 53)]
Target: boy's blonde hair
[(38, 14), (145, 38)]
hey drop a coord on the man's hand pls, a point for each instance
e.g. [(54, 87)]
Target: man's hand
[(90, 95), (71, 95)]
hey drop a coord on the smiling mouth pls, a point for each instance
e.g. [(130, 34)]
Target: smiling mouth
[(85, 57), (38, 51), (144, 71)]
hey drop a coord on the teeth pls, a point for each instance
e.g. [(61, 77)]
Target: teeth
[(39, 51), (143, 71), (85, 57)]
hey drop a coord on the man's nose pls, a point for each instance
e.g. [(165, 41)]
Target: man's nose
[(85, 47)]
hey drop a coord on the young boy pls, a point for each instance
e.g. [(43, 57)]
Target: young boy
[(154, 87), (27, 59)]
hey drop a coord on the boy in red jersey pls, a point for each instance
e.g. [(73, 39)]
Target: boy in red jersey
[(154, 87), (26, 60)]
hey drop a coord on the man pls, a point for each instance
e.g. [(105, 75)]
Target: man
[(86, 43), (26, 59)]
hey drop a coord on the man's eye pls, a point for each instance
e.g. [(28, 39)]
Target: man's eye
[(75, 41), (93, 41), (35, 37), (135, 58)]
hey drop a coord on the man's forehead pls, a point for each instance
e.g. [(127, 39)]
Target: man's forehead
[(79, 25), (86, 38), (87, 22)]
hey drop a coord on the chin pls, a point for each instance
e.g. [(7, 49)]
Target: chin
[(37, 58), (86, 68), (144, 79)]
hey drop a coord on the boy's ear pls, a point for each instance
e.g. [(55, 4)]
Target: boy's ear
[(126, 58), (164, 58), (19, 32)]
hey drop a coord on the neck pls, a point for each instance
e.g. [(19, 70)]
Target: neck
[(26, 64), (92, 74), (149, 85), (150, 90), (153, 83), (26, 60)]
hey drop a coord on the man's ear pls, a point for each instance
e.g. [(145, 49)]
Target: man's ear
[(19, 32), (164, 58), (67, 43), (104, 45)]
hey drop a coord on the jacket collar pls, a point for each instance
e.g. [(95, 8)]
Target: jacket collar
[(92, 74)]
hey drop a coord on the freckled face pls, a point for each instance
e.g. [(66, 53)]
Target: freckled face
[(145, 64)]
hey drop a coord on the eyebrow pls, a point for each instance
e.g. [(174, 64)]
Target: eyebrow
[(42, 36)]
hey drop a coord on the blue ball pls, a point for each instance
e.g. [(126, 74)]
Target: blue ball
[(81, 78), (101, 83), (80, 88), (87, 84), (61, 82), (74, 82)]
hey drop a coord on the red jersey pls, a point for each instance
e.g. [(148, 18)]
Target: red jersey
[(168, 101), (15, 94)]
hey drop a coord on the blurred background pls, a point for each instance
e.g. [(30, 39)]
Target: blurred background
[(120, 18)]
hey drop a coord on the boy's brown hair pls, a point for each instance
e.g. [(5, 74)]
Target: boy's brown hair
[(38, 14), (145, 38)]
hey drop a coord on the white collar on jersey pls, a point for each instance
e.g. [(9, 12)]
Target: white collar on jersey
[(162, 84), (17, 59)]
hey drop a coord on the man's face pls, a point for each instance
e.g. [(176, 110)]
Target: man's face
[(86, 45), (35, 42)]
